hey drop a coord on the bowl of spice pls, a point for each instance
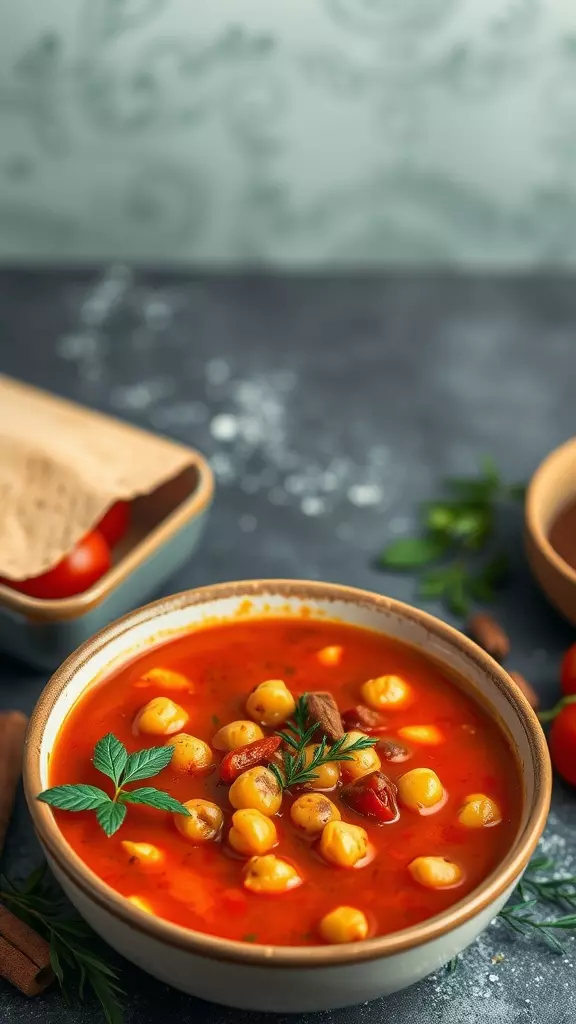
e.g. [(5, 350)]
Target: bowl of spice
[(551, 527)]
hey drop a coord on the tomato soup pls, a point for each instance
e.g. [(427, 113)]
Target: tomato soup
[(420, 811)]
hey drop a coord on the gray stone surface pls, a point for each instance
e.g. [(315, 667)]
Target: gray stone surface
[(329, 407)]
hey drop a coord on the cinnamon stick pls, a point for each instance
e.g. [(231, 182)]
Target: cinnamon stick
[(13, 726), (487, 632), (24, 955)]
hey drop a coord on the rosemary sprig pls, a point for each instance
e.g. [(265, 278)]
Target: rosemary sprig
[(74, 955), (457, 528), (295, 771), (113, 760), (534, 891)]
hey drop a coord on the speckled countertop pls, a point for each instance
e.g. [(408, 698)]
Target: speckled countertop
[(328, 407)]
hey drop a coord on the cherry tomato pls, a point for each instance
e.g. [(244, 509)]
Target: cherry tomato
[(114, 522), (77, 571), (562, 741), (568, 671)]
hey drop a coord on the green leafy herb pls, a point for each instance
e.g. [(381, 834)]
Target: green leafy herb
[(74, 949), (113, 760), (297, 735), (412, 552), (458, 528), (295, 771), (534, 893)]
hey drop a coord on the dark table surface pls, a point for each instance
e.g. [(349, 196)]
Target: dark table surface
[(329, 408)]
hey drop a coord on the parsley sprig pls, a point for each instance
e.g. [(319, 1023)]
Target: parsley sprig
[(297, 735), (75, 952), (112, 759), (458, 528)]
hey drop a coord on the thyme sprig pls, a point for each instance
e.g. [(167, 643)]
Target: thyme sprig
[(295, 770), (74, 955)]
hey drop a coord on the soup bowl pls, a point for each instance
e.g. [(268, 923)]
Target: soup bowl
[(287, 978)]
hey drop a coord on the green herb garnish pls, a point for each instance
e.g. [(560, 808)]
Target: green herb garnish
[(458, 529), (74, 949), (533, 894), (297, 735), (112, 759)]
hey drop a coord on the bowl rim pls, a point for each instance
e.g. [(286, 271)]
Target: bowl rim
[(532, 518), (214, 947)]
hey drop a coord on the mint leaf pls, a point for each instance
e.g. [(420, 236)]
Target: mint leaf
[(110, 757), (74, 797), (110, 816), (411, 552), (496, 571), (456, 598), (517, 492), (490, 470), (146, 763), (431, 587), (151, 797)]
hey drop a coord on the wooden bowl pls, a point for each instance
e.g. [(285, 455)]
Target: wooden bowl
[(552, 487)]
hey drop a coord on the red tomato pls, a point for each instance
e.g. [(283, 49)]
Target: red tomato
[(85, 564), (114, 522), (568, 672), (562, 741)]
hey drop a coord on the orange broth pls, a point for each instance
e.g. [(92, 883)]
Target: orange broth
[(200, 887)]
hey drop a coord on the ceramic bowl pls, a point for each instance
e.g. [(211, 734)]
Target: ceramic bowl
[(551, 488), (276, 978)]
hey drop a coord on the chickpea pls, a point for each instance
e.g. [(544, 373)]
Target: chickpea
[(479, 811), (426, 735), (270, 874), (165, 679), (160, 717), (420, 789), (204, 822), (311, 811), (343, 924), (330, 655), (343, 844), (237, 734), (256, 789), (327, 775), (252, 832), (190, 753), (147, 855), (141, 903), (271, 703), (435, 872), (363, 761), (386, 693)]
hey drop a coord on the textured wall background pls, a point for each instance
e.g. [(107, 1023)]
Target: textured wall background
[(308, 132)]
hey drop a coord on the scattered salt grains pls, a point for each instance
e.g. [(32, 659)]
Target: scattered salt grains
[(312, 506), (365, 494), (180, 414), (142, 395), (224, 427), (247, 523), (217, 371)]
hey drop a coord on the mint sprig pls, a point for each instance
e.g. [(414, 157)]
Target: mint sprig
[(113, 760)]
